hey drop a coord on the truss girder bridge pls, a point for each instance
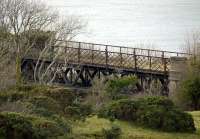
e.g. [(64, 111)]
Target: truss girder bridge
[(78, 63)]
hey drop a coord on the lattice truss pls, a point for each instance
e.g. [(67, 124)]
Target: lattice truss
[(99, 57), (157, 64), (71, 55), (143, 62), (167, 60), (86, 56), (114, 59), (114, 56), (128, 61)]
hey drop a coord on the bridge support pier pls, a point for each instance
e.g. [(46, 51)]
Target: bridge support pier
[(177, 72)]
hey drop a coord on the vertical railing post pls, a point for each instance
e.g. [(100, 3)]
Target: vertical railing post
[(121, 62), (106, 53), (79, 52), (164, 61), (135, 58), (92, 53), (165, 65), (149, 58)]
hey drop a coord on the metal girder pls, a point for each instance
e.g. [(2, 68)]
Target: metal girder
[(82, 75)]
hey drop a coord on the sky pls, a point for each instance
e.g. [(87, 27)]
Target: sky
[(161, 24)]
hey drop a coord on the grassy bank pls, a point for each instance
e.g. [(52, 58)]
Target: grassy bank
[(53, 112), (92, 127)]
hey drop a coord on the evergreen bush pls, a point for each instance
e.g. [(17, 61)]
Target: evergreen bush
[(19, 126), (78, 111), (118, 88), (152, 112), (113, 133)]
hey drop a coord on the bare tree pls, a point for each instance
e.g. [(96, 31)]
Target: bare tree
[(63, 31), (192, 43), (7, 72), (5, 44), (192, 46), (23, 17)]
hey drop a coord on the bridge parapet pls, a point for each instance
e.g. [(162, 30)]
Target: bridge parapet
[(111, 56), (118, 56)]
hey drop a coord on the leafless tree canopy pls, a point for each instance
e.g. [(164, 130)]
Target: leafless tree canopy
[(21, 17), (192, 43), (24, 20)]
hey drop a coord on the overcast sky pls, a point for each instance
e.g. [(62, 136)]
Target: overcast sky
[(163, 23)]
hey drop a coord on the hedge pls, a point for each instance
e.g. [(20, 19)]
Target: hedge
[(152, 112)]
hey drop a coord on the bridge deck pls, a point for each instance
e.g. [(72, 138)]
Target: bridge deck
[(117, 57), (78, 63), (116, 69)]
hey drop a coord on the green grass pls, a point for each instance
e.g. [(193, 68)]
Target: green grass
[(196, 116), (92, 127)]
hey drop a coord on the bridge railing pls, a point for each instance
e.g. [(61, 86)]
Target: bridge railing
[(122, 49), (114, 56), (119, 56)]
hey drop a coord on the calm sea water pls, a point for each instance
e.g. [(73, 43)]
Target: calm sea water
[(163, 23)]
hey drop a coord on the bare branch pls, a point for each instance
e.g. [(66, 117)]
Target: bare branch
[(25, 20)]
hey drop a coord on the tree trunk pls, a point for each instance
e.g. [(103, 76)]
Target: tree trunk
[(18, 70)]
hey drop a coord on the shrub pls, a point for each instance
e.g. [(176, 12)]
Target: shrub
[(63, 96), (45, 102), (170, 120), (25, 88), (119, 83), (78, 111), (124, 109), (20, 92), (19, 107), (37, 89), (59, 97), (176, 120), (18, 126), (155, 100), (151, 116), (62, 122), (10, 96), (190, 92), (113, 133), (118, 87), (152, 112), (15, 126), (160, 113), (44, 128), (43, 112)]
